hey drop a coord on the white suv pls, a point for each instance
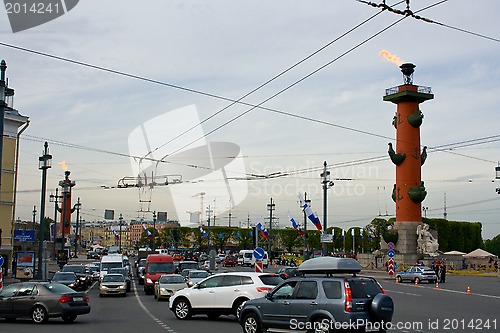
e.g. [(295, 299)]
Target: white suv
[(221, 294)]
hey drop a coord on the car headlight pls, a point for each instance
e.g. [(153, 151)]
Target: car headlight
[(103, 287), (149, 281), (123, 287), (190, 283)]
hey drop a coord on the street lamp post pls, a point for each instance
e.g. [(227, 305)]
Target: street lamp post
[(306, 245), (327, 183), (77, 234), (3, 104), (34, 221), (270, 207), (121, 221), (154, 230), (44, 163), (55, 199)]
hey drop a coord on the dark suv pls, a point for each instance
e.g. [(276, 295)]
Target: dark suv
[(329, 297)]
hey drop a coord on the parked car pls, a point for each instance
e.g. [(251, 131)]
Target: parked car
[(81, 272), (221, 294), (288, 272), (167, 285), (41, 301), (113, 284), (194, 276), (229, 261), (68, 279), (416, 274), (321, 303), (126, 274)]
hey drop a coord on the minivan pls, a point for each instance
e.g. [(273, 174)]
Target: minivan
[(156, 265)]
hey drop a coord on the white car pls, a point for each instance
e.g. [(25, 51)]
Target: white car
[(221, 294)]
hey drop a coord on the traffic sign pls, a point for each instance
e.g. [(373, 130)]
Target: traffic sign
[(390, 267), (1, 280), (258, 267), (391, 253), (1, 260), (258, 253), (391, 246)]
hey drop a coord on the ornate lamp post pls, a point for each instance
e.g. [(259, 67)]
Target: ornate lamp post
[(44, 163)]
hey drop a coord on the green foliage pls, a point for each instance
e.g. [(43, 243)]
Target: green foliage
[(376, 229), (289, 239), (493, 245), (456, 235)]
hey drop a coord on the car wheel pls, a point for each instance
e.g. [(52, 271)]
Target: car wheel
[(417, 280), (69, 318), (238, 305), (320, 325), (182, 309), (251, 324), (39, 314), (399, 279)]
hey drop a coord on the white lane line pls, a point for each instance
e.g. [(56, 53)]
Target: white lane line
[(158, 321), (401, 292)]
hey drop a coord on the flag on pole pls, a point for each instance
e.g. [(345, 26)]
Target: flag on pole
[(295, 225), (148, 233), (310, 214), (116, 234), (203, 233), (263, 230)]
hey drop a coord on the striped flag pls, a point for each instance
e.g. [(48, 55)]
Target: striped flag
[(116, 234), (263, 230), (150, 235), (203, 233), (295, 225), (310, 214)]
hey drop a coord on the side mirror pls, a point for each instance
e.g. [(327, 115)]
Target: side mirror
[(269, 296)]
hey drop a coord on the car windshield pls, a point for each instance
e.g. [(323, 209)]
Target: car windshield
[(105, 266), (188, 265), (113, 278), (160, 267), (198, 274), (58, 288), (63, 276), (76, 269), (271, 280), (171, 279)]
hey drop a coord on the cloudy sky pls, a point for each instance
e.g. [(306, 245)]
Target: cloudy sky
[(128, 78)]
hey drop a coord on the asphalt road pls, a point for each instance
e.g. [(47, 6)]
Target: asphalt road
[(418, 309)]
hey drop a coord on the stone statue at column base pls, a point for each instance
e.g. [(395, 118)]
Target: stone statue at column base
[(426, 243)]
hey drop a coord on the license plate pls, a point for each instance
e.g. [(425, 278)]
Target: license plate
[(78, 299)]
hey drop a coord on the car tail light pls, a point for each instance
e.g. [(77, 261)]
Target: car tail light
[(381, 288), (348, 297), (87, 299), (263, 289), (65, 299), (286, 275)]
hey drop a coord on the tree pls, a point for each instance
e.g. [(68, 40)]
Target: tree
[(493, 245), (289, 238)]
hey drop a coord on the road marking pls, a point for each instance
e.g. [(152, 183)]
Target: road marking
[(465, 293), (158, 321), (401, 292)]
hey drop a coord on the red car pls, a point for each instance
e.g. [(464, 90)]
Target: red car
[(229, 261)]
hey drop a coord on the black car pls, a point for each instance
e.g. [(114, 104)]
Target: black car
[(93, 255), (81, 272), (68, 279), (41, 301), (288, 272), (331, 298)]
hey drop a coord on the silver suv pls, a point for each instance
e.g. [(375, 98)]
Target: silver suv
[(335, 300)]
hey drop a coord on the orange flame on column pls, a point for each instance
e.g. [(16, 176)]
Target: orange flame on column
[(390, 57), (63, 165)]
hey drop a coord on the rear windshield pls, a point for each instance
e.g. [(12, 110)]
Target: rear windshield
[(188, 265), (364, 288), (198, 274), (171, 279), (58, 288), (76, 269), (271, 280), (108, 265)]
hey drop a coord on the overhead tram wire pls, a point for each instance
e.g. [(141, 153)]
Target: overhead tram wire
[(409, 13), (275, 77), (259, 105)]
